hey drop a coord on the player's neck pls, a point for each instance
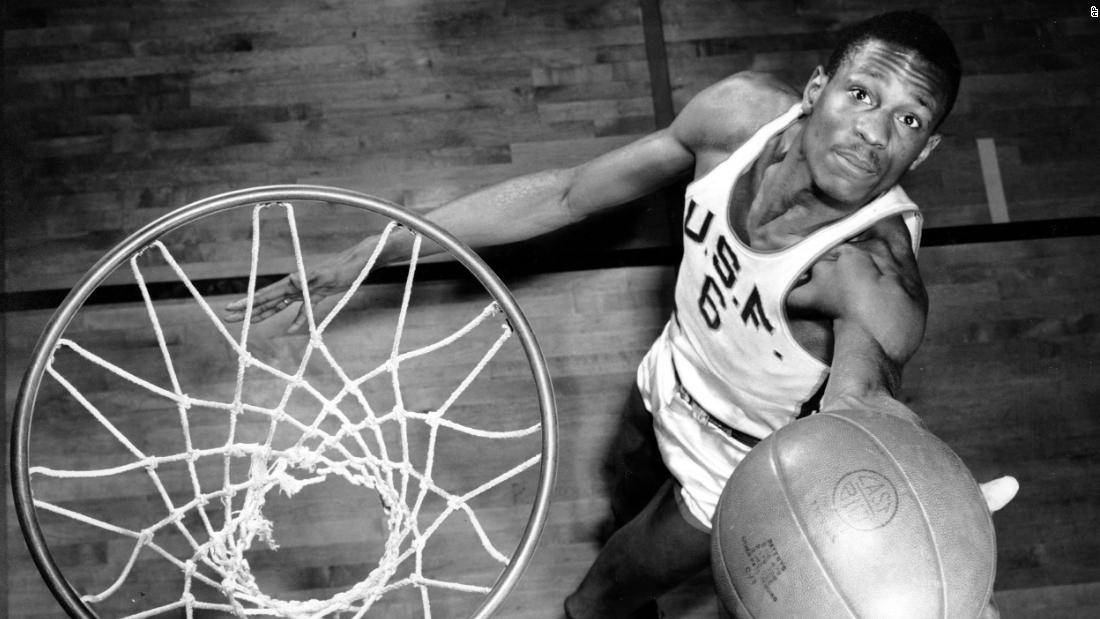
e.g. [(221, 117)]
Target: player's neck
[(802, 190), (788, 193)]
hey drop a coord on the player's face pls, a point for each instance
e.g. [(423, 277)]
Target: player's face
[(870, 122)]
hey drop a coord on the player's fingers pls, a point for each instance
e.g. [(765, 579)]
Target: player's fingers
[(234, 311), (302, 318), (1000, 491), (278, 296), (237, 313), (264, 301), (269, 309), (232, 315)]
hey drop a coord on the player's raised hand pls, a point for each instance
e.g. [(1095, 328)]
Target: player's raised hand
[(331, 277), (267, 301)]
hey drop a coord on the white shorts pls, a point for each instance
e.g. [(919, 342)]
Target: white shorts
[(699, 455)]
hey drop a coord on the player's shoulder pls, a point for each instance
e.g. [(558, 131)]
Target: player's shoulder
[(889, 240), (751, 89), (895, 239), (732, 109)]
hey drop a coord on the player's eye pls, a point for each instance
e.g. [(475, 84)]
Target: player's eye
[(911, 121), (859, 94)]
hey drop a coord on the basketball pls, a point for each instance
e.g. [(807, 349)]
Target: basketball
[(853, 514)]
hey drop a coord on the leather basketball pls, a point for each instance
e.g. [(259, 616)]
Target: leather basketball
[(853, 514)]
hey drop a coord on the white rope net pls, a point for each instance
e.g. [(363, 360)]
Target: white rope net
[(335, 434)]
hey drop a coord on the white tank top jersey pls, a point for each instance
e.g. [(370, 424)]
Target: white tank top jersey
[(728, 343)]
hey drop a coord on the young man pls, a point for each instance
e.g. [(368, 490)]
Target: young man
[(785, 186)]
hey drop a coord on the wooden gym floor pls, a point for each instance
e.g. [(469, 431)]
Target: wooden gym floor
[(115, 114)]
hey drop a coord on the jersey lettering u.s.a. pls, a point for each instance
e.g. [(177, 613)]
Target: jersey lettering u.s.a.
[(727, 356)]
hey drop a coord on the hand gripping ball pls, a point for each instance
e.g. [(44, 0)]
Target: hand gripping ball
[(853, 514)]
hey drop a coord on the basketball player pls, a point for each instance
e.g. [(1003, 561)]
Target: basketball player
[(786, 185)]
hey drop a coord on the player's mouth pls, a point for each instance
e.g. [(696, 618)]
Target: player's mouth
[(858, 163)]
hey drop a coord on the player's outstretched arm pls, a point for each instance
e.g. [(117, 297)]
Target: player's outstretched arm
[(535, 204), (878, 306), (874, 295), (871, 290), (515, 210)]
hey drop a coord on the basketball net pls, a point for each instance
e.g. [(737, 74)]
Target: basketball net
[(355, 451)]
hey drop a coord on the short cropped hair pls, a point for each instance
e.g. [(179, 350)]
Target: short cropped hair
[(907, 29)]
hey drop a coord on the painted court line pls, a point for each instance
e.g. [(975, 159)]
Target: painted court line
[(991, 176)]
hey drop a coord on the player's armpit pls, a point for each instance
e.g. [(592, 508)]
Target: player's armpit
[(859, 285), (887, 243)]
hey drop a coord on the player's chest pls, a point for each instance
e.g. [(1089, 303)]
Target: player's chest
[(735, 291), (733, 242)]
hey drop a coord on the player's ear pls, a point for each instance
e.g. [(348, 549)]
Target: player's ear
[(933, 142), (813, 88)]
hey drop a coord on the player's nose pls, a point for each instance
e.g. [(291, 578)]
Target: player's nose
[(872, 128)]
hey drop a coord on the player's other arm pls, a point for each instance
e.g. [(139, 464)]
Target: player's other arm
[(877, 329), (871, 289), (515, 210), (518, 209), (535, 204)]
